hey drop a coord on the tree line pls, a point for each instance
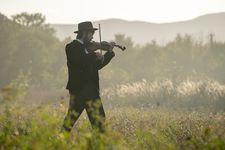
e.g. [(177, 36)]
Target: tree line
[(29, 46)]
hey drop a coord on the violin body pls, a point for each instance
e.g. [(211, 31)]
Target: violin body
[(106, 46)]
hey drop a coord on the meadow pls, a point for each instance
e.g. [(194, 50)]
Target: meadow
[(140, 115)]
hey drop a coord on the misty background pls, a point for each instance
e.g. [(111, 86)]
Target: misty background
[(143, 32), (33, 57)]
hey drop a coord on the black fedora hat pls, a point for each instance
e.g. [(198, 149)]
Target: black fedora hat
[(85, 26)]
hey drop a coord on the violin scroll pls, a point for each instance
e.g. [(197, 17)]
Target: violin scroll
[(121, 47)]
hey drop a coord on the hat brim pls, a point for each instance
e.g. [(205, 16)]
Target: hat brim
[(92, 29)]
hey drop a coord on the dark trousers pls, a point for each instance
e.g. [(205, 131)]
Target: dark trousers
[(94, 109)]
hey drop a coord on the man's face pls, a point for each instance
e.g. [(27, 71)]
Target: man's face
[(88, 36)]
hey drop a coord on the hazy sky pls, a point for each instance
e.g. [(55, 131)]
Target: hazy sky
[(74, 11)]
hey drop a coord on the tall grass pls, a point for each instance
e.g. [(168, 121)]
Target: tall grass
[(188, 95), (141, 115)]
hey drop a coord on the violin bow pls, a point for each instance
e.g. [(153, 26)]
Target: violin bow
[(100, 37)]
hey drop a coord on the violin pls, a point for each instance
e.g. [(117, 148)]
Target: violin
[(106, 46)]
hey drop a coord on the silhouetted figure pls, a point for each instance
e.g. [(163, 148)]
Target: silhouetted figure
[(83, 84)]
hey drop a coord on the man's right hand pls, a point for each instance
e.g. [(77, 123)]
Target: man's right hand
[(99, 56)]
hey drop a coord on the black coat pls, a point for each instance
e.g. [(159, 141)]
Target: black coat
[(83, 78)]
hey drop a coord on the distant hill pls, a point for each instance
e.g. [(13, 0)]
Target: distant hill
[(143, 32)]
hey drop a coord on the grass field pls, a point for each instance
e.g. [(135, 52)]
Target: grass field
[(161, 116)]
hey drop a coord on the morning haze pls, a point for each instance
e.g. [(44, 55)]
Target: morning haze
[(143, 32), (166, 91)]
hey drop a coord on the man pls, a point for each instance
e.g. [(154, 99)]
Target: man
[(83, 84)]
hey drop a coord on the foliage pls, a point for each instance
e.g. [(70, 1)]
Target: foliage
[(26, 19), (181, 59), (38, 127), (16, 89), (202, 95), (28, 45)]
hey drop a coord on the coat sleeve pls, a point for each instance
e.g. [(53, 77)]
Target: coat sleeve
[(77, 57), (107, 58)]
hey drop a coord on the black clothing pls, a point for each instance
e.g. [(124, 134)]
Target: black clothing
[(83, 85), (83, 70)]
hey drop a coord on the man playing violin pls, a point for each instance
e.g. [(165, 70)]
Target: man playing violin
[(83, 63)]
